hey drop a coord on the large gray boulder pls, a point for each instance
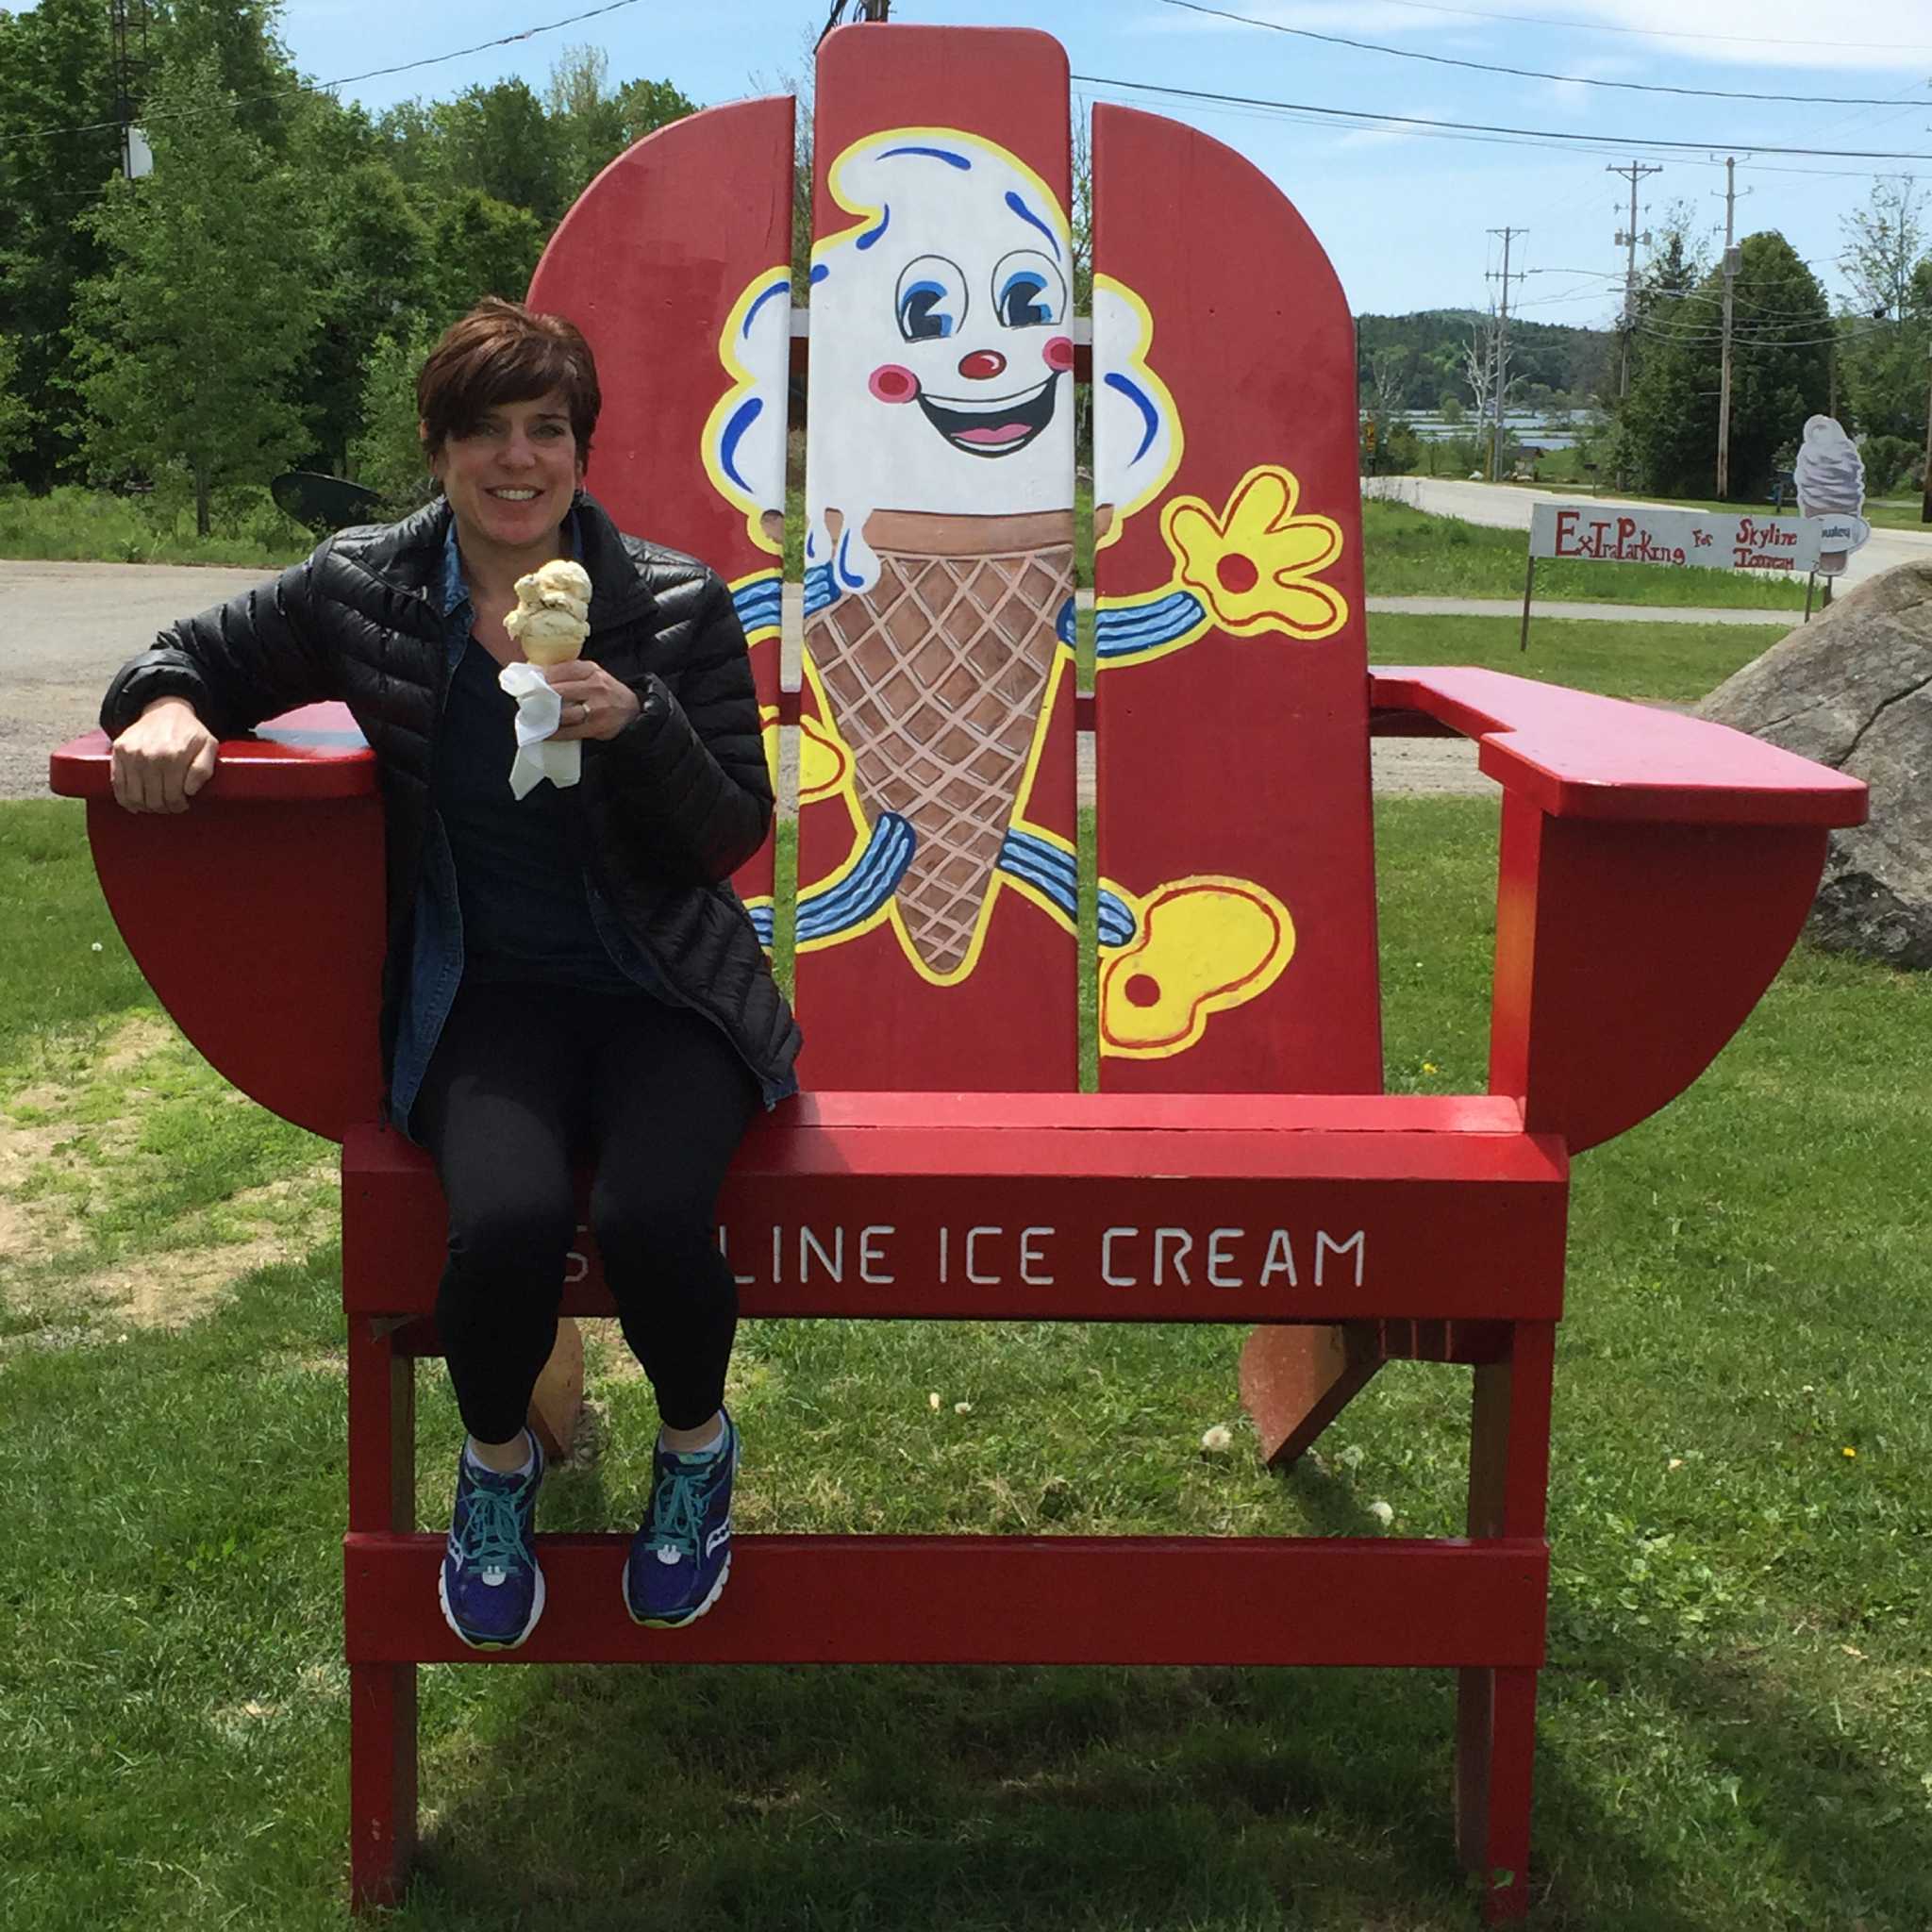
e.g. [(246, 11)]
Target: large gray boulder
[(1853, 689)]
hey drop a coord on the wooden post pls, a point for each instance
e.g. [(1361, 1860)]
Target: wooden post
[(560, 1392), (1811, 578), (1529, 585), (382, 1698), (1495, 1737)]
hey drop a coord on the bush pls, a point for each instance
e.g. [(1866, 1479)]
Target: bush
[(1893, 463), (74, 525)]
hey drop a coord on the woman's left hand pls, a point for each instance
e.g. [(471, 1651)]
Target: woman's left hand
[(595, 705)]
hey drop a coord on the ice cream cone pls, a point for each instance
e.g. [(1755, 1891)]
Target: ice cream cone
[(935, 676), (553, 613)]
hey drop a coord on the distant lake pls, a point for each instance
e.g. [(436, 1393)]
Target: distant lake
[(1547, 428)]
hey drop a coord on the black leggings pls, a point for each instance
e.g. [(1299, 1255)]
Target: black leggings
[(526, 1079)]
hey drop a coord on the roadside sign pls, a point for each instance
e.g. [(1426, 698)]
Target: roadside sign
[(1679, 539), (1695, 539)]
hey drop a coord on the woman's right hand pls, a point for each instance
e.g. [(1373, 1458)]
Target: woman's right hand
[(163, 758)]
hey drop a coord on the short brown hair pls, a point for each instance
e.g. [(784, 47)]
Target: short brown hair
[(501, 352)]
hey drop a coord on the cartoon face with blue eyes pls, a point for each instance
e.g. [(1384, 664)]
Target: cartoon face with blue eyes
[(982, 352)]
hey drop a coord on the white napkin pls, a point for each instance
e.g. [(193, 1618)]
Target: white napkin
[(539, 710)]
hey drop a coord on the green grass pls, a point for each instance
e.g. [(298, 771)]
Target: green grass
[(1676, 662), (1408, 553), (1897, 513), (73, 525), (1736, 1734)]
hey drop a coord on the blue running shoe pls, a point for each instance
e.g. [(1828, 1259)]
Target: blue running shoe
[(681, 1555), (491, 1589)]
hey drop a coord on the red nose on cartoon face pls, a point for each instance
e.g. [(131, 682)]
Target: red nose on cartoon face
[(982, 365)]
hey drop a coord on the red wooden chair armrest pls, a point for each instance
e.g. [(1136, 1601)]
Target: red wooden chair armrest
[(1574, 755), (1655, 870), (262, 933), (314, 752)]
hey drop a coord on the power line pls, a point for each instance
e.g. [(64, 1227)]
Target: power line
[(320, 86), (1661, 33), (1640, 87), (1544, 134)]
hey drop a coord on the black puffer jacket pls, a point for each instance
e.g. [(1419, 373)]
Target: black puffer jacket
[(675, 803)]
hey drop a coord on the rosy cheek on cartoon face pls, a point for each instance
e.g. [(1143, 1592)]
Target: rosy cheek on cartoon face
[(1058, 351), (892, 382)]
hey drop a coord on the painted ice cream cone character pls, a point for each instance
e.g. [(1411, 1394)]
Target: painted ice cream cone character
[(939, 499), (553, 614), (550, 623), (1831, 481)]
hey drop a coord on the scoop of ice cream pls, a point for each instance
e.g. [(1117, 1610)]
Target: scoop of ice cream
[(553, 614), (1830, 474)]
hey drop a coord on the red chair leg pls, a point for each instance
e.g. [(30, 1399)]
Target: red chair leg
[(1495, 1737), (1495, 1755), (382, 1782), (382, 1698)]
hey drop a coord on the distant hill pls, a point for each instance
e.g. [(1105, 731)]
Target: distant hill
[(1555, 361)]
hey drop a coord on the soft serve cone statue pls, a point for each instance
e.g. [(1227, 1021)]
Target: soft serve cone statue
[(1831, 481), (549, 624)]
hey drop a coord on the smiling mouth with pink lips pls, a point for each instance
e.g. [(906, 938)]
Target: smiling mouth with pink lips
[(994, 426)]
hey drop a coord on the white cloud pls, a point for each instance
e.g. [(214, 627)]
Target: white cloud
[(1388, 137)]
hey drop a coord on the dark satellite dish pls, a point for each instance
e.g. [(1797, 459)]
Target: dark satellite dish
[(324, 503)]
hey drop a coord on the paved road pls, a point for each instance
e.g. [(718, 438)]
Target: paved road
[(1507, 506), (69, 627)]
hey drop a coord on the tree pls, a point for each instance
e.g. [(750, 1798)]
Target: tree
[(1883, 345), (190, 339), (593, 123), (479, 247), (250, 62), (54, 74), (14, 418), (377, 253), (1780, 373), (387, 451), (1884, 245), (502, 143)]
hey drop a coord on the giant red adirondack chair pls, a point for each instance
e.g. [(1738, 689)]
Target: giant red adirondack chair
[(1240, 1163)]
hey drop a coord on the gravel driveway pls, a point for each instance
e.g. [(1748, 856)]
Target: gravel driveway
[(70, 626)]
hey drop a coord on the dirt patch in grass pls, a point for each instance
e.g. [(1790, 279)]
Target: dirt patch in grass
[(33, 1221), (72, 1143), (170, 1291)]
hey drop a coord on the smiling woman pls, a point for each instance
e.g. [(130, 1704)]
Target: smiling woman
[(568, 971)]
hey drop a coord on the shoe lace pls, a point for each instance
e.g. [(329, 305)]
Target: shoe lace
[(492, 1533), (677, 1511)]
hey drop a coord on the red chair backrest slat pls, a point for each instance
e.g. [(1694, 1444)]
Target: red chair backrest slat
[(939, 579), (1232, 693)]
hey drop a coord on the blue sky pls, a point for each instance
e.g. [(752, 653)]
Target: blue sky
[(1405, 216)]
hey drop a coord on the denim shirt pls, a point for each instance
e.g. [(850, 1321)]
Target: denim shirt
[(436, 961)]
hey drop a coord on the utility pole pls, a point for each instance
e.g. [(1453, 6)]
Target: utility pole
[(137, 159), (1502, 380), (1627, 237), (1733, 260), (1925, 501), (1724, 380)]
